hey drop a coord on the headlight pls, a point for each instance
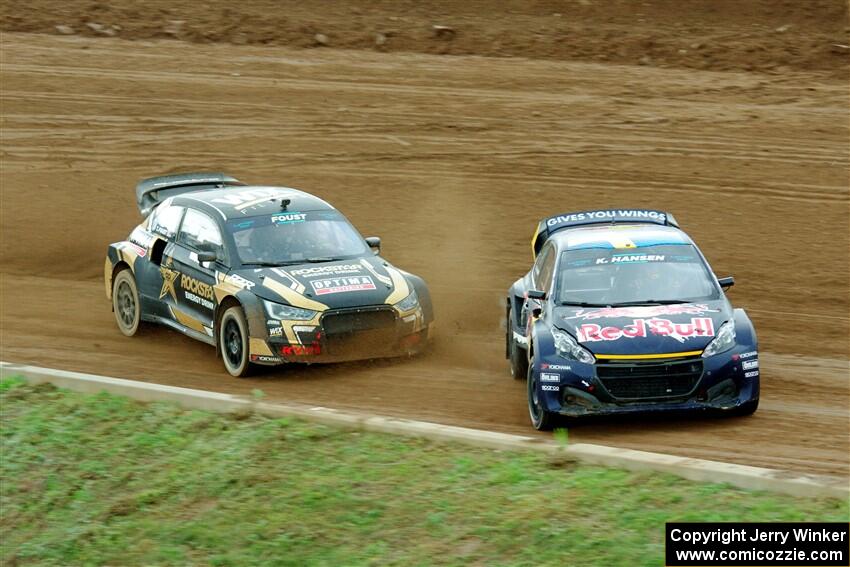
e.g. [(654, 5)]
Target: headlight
[(409, 303), (724, 340), (568, 348), (278, 311)]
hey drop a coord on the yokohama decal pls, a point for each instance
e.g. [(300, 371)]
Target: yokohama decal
[(641, 328)]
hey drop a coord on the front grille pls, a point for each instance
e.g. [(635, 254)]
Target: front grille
[(352, 321), (647, 380), (359, 331)]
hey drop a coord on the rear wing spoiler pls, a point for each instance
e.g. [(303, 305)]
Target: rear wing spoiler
[(549, 226), (152, 191)]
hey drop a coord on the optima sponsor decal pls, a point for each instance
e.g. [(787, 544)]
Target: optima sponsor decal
[(641, 328), (342, 285), (750, 364), (544, 377)]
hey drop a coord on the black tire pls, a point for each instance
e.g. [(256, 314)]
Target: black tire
[(233, 342), (517, 356), (745, 409), (541, 419), (125, 302)]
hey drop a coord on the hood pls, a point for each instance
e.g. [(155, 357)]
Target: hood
[(328, 285), (654, 329)]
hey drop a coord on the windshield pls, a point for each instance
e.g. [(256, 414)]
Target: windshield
[(289, 237), (667, 273)]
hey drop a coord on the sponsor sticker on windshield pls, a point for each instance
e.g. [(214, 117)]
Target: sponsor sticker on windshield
[(631, 259), (343, 285), (289, 218)]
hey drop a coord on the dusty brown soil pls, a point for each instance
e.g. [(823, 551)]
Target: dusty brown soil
[(452, 160), (766, 35)]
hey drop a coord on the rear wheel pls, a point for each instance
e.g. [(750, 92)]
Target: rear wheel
[(125, 302), (233, 342), (541, 419), (517, 356)]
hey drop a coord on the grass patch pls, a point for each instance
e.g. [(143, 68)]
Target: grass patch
[(101, 479)]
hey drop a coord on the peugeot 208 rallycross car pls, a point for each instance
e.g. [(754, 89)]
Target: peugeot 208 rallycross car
[(266, 274), (621, 313)]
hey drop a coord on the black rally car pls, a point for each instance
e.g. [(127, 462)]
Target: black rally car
[(267, 275)]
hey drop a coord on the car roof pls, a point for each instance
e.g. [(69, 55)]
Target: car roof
[(619, 236), (245, 201)]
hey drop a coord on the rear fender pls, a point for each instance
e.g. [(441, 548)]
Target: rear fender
[(119, 255)]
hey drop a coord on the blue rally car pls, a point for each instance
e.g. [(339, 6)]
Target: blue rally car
[(621, 313)]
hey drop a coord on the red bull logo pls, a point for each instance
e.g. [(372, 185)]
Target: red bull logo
[(642, 328)]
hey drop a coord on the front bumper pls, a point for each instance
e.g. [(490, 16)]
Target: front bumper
[(342, 335), (686, 384)]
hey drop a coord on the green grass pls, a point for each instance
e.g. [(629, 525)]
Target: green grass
[(100, 479)]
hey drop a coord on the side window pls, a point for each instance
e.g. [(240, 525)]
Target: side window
[(538, 265), (200, 232), (165, 219), (547, 270)]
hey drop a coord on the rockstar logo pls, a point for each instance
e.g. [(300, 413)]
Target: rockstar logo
[(169, 276)]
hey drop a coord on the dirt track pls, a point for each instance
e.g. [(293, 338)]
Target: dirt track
[(451, 161)]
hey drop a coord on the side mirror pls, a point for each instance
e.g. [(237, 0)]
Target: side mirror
[(536, 294), (726, 282), (206, 257), (375, 244)]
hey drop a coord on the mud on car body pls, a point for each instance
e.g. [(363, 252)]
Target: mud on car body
[(621, 313), (266, 274)]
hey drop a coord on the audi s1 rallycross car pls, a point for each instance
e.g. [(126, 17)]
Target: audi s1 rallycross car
[(267, 275), (621, 313)]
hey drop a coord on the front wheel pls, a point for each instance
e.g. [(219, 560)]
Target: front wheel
[(233, 342), (541, 419)]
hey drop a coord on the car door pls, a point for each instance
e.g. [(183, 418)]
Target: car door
[(153, 276), (544, 278), (195, 296), (541, 272)]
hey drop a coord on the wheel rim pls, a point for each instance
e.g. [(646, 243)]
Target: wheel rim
[(126, 305), (232, 339), (533, 399)]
